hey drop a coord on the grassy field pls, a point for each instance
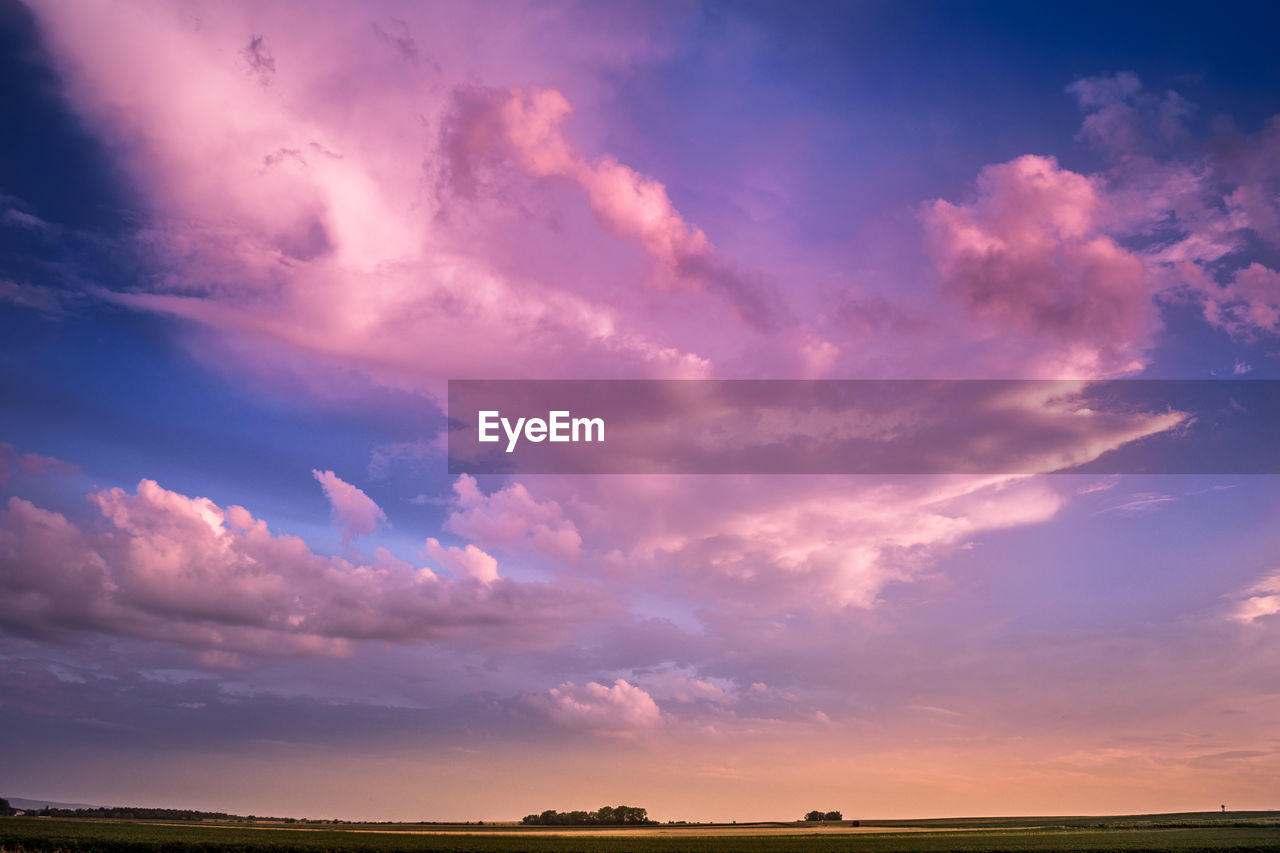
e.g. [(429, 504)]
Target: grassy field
[(1236, 833)]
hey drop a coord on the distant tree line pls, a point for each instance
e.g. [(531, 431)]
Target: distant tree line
[(818, 815), (603, 816), (134, 813)]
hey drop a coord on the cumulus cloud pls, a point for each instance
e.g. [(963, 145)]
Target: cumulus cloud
[(163, 566), (1028, 255), (1066, 272), (353, 511), (464, 562), (511, 518), (622, 709)]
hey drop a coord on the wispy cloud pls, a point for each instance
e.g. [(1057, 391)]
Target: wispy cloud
[(1140, 502)]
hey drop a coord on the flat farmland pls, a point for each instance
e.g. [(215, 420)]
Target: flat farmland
[(1154, 833)]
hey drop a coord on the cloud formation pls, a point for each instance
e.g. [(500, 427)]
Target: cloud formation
[(353, 511), (1199, 218), (621, 709), (166, 567), (300, 218), (464, 562), (1247, 305), (525, 127), (760, 546), (512, 518), (1068, 272), (30, 464), (1259, 601), (1126, 120), (1029, 255)]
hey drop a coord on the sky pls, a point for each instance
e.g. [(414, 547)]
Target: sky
[(245, 246)]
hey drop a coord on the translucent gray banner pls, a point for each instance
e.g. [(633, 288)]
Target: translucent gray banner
[(864, 426)]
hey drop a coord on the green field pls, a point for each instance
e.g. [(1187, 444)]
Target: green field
[(1184, 832)]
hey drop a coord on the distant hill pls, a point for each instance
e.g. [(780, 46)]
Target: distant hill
[(24, 804)]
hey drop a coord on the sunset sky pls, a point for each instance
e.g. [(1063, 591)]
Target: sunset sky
[(244, 246)]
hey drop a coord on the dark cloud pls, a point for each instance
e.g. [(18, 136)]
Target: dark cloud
[(259, 57)]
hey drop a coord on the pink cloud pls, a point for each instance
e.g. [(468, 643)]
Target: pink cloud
[(464, 562), (791, 544), (166, 567), (511, 518), (427, 219), (766, 545), (295, 216), (1047, 260), (353, 511), (1028, 256), (526, 126), (454, 213), (622, 709)]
